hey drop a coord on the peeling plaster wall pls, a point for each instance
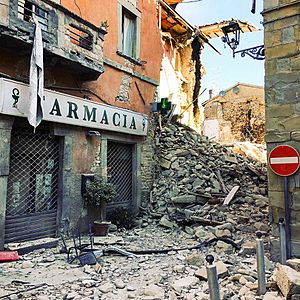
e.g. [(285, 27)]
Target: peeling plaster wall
[(178, 79), (115, 86)]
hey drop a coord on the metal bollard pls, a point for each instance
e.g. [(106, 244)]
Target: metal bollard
[(212, 278), (282, 239), (260, 258)]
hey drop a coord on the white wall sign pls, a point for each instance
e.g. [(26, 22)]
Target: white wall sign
[(67, 109)]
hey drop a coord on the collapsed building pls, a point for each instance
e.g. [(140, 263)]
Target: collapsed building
[(236, 114)]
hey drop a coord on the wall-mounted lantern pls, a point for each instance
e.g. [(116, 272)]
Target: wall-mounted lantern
[(234, 29), (231, 37)]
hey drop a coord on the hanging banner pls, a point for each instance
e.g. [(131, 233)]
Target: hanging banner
[(67, 109)]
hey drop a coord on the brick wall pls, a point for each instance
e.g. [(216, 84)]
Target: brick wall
[(282, 39)]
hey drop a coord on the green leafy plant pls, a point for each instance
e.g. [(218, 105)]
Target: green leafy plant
[(122, 217), (98, 193)]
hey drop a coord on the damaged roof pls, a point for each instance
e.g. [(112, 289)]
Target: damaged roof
[(172, 22), (173, 1), (214, 30), (176, 25)]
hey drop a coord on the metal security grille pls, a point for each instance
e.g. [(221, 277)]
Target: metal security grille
[(119, 164), (32, 193)]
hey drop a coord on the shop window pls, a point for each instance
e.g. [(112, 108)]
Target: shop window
[(80, 37), (26, 10), (129, 30)]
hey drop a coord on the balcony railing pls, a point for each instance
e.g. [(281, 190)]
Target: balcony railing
[(78, 43)]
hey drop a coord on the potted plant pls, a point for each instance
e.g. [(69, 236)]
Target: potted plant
[(98, 193)]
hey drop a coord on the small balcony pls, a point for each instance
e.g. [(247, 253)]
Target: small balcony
[(69, 40)]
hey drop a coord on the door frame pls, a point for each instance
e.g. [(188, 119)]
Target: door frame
[(136, 162)]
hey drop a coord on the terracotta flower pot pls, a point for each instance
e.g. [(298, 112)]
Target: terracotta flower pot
[(101, 228)]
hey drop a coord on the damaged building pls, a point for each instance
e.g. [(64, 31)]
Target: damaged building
[(236, 114), (181, 70), (101, 74)]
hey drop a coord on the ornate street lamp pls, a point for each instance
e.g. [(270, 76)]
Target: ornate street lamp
[(234, 29)]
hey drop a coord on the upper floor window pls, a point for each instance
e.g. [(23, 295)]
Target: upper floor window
[(26, 10), (129, 30), (128, 34)]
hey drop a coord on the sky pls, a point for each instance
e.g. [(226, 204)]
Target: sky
[(224, 71)]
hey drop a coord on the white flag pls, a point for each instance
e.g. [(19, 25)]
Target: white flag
[(36, 79)]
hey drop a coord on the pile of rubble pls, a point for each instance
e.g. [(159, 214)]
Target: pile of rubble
[(45, 274), (207, 201), (206, 183)]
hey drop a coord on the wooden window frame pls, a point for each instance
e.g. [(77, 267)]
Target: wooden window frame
[(125, 7)]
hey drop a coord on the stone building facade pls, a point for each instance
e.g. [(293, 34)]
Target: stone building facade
[(236, 114), (101, 75), (282, 37)]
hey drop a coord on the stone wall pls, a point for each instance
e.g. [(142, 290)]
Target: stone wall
[(240, 114), (282, 37), (148, 163)]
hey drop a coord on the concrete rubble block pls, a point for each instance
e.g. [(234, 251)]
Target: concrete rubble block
[(272, 296), (155, 291), (202, 233), (231, 159), (195, 259), (184, 199), (42, 297), (165, 163), (222, 247), (184, 283), (106, 287), (288, 281), (248, 248), (119, 283), (294, 263), (71, 295), (165, 222), (224, 233), (222, 271)]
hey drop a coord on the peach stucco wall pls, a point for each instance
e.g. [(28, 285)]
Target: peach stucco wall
[(108, 85)]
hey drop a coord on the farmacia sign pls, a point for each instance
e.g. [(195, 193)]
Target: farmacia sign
[(67, 109)]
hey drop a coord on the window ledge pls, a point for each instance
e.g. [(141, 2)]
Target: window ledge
[(131, 59)]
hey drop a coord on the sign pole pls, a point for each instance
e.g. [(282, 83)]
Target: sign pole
[(284, 160), (287, 216)]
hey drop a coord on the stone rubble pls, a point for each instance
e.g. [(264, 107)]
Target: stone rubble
[(186, 209), (197, 173), (172, 275)]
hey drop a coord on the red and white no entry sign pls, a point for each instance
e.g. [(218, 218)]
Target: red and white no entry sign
[(284, 160)]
